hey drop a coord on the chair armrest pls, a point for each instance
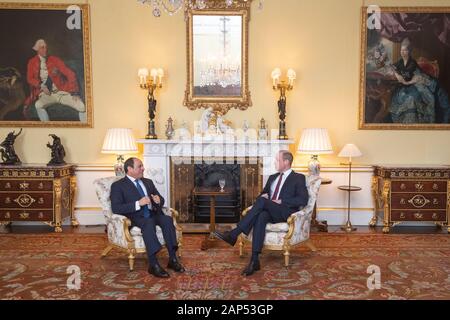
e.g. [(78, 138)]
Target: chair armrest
[(295, 219), (171, 212), (244, 213), (291, 223), (126, 230), (175, 216), (297, 222), (303, 212), (126, 225), (118, 222)]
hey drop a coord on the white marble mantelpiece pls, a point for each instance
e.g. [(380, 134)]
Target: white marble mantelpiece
[(158, 155)]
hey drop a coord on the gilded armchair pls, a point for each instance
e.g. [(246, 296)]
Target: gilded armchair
[(296, 231), (120, 233)]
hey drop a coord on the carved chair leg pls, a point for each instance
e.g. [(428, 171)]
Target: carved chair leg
[(131, 258), (241, 246), (179, 241), (179, 249), (106, 251), (311, 246), (286, 257)]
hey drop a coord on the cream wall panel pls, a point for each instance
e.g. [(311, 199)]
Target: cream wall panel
[(319, 39)]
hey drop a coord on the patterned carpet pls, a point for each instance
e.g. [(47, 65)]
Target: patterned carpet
[(412, 267)]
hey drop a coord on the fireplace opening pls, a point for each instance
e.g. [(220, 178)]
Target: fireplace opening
[(228, 208), (242, 176)]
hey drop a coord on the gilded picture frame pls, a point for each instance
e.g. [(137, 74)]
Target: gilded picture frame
[(212, 82), (45, 65), (404, 80)]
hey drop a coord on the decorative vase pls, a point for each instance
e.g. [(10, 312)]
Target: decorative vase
[(170, 132)]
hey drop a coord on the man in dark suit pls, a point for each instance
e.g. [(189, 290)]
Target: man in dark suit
[(138, 199), (285, 193)]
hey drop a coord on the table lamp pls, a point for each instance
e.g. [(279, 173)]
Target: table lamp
[(349, 151), (119, 141), (315, 141)]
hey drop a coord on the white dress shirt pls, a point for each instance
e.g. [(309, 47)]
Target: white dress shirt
[(43, 73), (275, 182), (138, 206)]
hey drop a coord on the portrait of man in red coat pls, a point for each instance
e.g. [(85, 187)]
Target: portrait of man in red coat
[(51, 82)]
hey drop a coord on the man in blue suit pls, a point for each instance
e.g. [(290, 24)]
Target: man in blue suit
[(138, 199), (285, 193)]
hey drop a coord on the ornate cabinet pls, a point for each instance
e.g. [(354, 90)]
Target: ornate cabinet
[(406, 193), (37, 193)]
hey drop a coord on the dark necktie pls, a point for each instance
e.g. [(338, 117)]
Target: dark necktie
[(141, 192), (277, 188), (49, 84)]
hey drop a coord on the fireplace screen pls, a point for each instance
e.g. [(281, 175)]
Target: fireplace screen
[(242, 177)]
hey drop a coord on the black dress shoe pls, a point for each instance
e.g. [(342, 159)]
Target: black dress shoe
[(158, 271), (175, 266), (226, 236), (251, 268)]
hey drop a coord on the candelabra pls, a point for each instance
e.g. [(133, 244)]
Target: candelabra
[(151, 84), (283, 86)]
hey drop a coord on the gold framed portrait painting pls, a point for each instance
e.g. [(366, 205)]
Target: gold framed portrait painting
[(405, 74), (45, 65), (217, 57)]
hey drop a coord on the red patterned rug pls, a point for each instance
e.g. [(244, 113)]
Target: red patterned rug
[(412, 267)]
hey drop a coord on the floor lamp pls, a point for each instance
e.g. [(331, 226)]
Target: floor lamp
[(349, 151)]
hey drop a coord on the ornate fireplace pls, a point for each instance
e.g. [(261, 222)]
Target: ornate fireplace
[(176, 166)]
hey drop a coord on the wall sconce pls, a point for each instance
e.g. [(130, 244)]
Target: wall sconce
[(151, 83), (283, 87)]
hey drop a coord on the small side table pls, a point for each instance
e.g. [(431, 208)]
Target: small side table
[(321, 226), (348, 226), (213, 193)]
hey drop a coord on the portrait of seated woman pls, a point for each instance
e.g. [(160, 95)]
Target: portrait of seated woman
[(417, 97)]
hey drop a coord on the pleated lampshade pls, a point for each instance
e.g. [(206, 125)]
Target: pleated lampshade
[(315, 141), (119, 141)]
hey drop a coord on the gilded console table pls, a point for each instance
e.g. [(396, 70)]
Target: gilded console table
[(37, 193), (411, 193)]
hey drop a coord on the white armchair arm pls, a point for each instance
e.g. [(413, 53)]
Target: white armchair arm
[(175, 216), (299, 225), (118, 229)]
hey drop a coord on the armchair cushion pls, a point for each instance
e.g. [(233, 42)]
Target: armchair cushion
[(277, 227)]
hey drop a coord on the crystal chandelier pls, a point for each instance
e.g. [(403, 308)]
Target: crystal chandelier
[(217, 66), (171, 7), (220, 73)]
